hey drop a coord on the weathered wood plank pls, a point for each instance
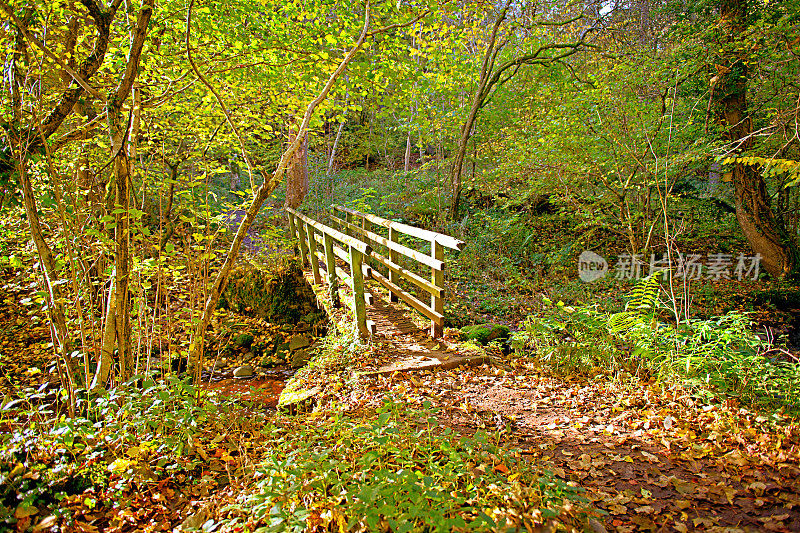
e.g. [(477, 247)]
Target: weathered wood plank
[(330, 262), (312, 252), (394, 258)]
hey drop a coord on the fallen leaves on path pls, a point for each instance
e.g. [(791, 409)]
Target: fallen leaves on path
[(652, 459)]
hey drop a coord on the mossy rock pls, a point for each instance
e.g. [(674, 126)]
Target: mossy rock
[(299, 358), (300, 341), (293, 397), (279, 295), (243, 340), (485, 333)]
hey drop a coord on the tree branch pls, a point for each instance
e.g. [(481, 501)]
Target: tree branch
[(76, 134), (135, 52), (40, 45), (88, 68), (398, 25)]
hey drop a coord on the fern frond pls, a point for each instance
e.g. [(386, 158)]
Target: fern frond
[(644, 296)]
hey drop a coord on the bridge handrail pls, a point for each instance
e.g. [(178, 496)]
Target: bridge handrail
[(445, 240), (362, 247), (305, 230)]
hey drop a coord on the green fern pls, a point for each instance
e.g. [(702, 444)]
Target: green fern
[(644, 296), (642, 304)]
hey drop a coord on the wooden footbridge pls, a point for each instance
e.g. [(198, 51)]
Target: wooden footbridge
[(351, 247)]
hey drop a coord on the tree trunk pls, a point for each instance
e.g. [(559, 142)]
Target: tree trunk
[(407, 159), (47, 265), (122, 251), (763, 230), (297, 173), (478, 98), (332, 158), (461, 152)]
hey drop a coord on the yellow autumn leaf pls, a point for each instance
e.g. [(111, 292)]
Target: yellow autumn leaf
[(121, 465)]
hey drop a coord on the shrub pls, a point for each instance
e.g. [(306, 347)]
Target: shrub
[(720, 355)]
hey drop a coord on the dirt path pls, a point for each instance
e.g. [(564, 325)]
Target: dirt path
[(648, 459), (652, 461)]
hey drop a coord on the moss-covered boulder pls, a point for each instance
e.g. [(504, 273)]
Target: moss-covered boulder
[(485, 333), (243, 340), (299, 358), (277, 294)]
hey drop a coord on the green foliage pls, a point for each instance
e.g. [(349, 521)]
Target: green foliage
[(720, 355), (126, 436), (409, 197), (771, 167), (397, 470)]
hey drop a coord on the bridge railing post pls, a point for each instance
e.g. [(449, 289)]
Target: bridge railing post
[(312, 253), (293, 231), (359, 306), (348, 217), (301, 236), (394, 257), (291, 225), (437, 278), (330, 269), (367, 227)]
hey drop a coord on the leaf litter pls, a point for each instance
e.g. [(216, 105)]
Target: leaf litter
[(652, 459)]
